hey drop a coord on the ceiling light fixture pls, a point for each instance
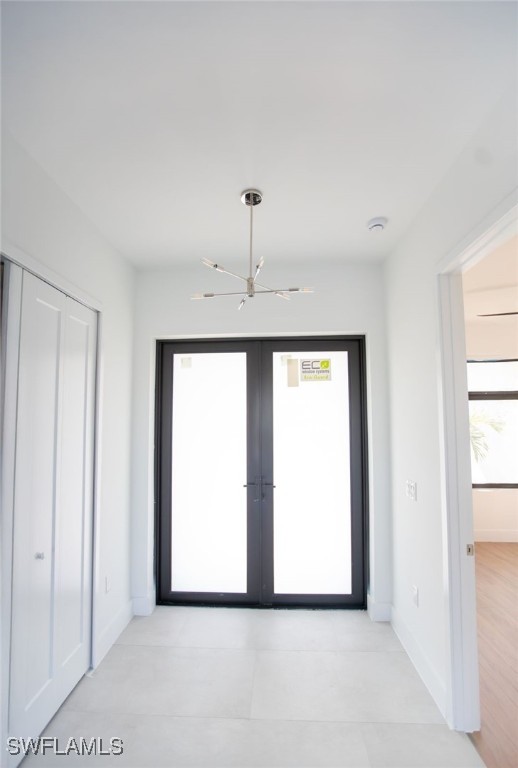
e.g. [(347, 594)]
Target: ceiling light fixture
[(250, 197)]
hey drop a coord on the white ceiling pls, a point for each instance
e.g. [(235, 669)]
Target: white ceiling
[(154, 116)]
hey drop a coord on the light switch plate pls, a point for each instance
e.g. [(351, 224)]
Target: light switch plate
[(411, 490)]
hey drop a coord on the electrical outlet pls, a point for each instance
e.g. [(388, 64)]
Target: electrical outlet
[(415, 595), (411, 490)]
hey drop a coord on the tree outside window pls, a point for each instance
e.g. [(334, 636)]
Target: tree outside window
[(493, 412)]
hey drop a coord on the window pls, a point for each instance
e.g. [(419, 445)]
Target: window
[(493, 420)]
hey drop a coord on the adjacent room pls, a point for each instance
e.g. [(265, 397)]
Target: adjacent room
[(490, 290), (246, 251)]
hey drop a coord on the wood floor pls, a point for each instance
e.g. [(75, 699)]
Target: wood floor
[(497, 613)]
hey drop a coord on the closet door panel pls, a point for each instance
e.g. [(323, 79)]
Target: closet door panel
[(74, 508), (53, 505), (32, 665)]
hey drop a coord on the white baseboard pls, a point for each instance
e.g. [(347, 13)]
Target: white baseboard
[(144, 606), (109, 635), (426, 672), (378, 611), (498, 534)]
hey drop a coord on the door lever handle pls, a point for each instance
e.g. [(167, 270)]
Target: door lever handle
[(250, 485), (263, 484)]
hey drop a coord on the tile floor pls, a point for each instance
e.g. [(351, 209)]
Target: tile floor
[(225, 687)]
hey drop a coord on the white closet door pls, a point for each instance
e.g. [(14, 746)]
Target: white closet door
[(50, 633), (73, 525)]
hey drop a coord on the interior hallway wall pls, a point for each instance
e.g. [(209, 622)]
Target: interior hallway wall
[(348, 299), (41, 223), (479, 188)]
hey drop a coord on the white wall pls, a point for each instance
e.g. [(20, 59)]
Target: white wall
[(471, 197), (495, 514), (491, 340), (44, 229), (348, 299)]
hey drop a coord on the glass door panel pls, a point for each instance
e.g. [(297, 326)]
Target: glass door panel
[(311, 470), (209, 469)]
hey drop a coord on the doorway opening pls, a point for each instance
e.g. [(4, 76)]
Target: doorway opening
[(261, 472), (490, 292), (463, 706)]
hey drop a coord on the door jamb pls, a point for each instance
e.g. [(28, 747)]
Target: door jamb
[(159, 343), (10, 349), (463, 699)]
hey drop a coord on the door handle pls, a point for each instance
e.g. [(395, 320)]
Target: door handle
[(263, 484), (250, 485), (39, 555)]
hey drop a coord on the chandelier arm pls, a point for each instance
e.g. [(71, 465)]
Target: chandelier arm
[(280, 294), (265, 287), (280, 291), (224, 270), (215, 295), (294, 290), (272, 290), (232, 274)]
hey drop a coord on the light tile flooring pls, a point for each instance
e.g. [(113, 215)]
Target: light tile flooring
[(224, 687)]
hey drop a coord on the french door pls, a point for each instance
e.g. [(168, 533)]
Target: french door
[(261, 472)]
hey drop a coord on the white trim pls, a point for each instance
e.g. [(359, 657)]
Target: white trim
[(500, 225), (144, 606), (462, 705), (253, 335), (111, 632), (502, 535), (463, 708), (424, 668), (378, 611), (56, 280), (97, 502), (10, 348)]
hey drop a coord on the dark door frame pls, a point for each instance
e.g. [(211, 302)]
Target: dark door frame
[(260, 398)]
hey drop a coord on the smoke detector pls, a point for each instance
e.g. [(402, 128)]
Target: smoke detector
[(377, 224)]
